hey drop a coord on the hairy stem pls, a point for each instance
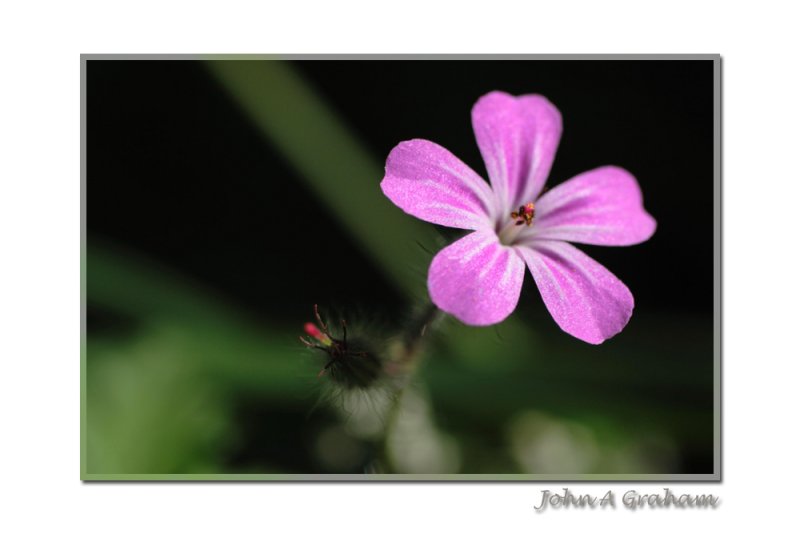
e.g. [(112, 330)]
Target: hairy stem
[(406, 361)]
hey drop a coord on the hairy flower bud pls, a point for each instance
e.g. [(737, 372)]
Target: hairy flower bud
[(353, 361)]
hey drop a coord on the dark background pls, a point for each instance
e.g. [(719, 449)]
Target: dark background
[(179, 177)]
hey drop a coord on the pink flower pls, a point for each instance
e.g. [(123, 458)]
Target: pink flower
[(478, 278)]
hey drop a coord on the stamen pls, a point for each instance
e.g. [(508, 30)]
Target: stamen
[(523, 216)]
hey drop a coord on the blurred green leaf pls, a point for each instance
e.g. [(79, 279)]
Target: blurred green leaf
[(334, 165)]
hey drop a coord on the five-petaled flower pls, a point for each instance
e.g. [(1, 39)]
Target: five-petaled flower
[(478, 278)]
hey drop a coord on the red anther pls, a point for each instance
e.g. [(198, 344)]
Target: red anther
[(529, 208)]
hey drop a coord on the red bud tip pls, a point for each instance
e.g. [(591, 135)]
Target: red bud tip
[(312, 330)]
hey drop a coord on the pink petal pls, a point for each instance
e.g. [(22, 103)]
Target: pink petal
[(584, 298), (477, 279), (426, 181), (518, 138), (599, 207)]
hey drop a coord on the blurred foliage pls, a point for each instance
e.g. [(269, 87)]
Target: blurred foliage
[(163, 389), (179, 381)]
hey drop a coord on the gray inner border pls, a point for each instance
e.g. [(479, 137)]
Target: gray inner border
[(716, 476)]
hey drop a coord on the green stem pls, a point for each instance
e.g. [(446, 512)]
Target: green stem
[(413, 348), (419, 326)]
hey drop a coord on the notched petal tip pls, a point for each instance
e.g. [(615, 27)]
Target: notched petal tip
[(468, 319), (585, 299), (503, 97), (603, 206), (518, 137), (644, 222)]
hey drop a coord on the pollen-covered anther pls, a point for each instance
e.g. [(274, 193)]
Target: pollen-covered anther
[(524, 215)]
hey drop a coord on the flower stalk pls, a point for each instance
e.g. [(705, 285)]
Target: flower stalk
[(361, 363), (407, 356)]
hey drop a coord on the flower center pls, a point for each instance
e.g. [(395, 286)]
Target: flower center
[(520, 219)]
